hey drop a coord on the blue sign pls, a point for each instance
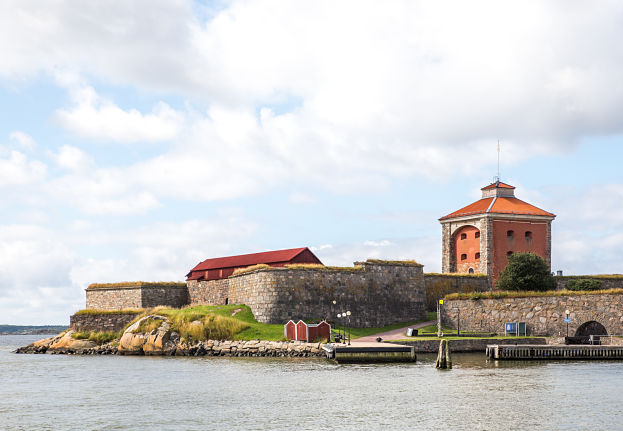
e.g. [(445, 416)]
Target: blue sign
[(567, 320), (511, 327)]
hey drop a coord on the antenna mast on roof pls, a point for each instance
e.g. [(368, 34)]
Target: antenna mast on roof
[(497, 179)]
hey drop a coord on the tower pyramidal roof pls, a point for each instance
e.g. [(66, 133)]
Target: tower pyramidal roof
[(498, 198)]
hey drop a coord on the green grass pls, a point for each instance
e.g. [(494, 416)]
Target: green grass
[(363, 332), (394, 262), (98, 338), (148, 325), (432, 315), (122, 311), (502, 337), (137, 284), (500, 294)]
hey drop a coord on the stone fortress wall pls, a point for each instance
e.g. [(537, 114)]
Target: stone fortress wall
[(377, 293), (544, 315)]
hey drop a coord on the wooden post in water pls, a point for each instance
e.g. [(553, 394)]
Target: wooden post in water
[(444, 359)]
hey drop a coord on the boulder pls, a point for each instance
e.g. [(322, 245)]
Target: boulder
[(160, 341), (66, 341)]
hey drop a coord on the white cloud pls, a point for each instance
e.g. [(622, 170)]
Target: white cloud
[(16, 169), (73, 158), (23, 140), (101, 119)]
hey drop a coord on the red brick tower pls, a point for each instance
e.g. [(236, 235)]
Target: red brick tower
[(479, 237)]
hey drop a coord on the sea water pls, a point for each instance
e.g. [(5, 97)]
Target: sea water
[(61, 392)]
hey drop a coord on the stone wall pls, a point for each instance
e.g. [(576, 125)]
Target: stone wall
[(377, 294), (467, 345), (107, 322), (117, 296), (543, 314), (439, 285), (607, 281), (114, 298), (213, 292), (170, 296)]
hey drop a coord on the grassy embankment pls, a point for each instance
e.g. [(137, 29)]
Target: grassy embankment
[(201, 322)]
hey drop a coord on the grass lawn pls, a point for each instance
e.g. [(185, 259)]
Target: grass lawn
[(250, 329), (450, 338)]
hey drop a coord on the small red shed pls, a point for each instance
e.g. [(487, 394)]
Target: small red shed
[(302, 331)]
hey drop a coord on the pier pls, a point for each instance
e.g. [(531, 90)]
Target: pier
[(362, 352), (554, 352)]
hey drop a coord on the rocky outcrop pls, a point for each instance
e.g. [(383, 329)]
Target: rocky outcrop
[(167, 343), (61, 343), (160, 341)]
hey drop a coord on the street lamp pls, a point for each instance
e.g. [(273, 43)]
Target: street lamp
[(458, 322), (567, 320), (348, 315), (339, 316), (344, 316)]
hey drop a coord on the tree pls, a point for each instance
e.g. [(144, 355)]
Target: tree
[(526, 271)]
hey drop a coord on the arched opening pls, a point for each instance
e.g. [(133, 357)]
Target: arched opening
[(465, 245), (471, 271), (226, 301), (591, 328)]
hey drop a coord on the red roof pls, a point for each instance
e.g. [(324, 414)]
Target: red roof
[(499, 205), (497, 185), (244, 260)]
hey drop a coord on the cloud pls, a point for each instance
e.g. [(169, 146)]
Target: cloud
[(101, 119), (23, 140), (16, 169)]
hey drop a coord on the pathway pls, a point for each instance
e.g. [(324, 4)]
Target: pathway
[(394, 334)]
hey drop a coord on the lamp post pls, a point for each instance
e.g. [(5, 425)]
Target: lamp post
[(334, 303), (458, 322), (344, 326), (567, 320), (339, 316), (348, 315)]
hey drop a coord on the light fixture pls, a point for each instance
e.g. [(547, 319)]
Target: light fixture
[(348, 313)]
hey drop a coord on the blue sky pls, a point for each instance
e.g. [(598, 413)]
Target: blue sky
[(137, 139)]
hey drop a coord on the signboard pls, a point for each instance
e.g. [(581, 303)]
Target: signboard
[(510, 328), (567, 320), (441, 302)]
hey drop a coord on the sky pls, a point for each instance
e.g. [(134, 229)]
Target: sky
[(139, 138)]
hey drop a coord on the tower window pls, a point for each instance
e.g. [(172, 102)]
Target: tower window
[(471, 270), (528, 236), (477, 255), (510, 234), (463, 256), (509, 253), (477, 235), (463, 236)]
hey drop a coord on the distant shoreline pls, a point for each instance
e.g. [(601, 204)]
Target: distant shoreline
[(31, 329)]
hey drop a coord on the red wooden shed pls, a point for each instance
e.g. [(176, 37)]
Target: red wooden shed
[(302, 331), (223, 267)]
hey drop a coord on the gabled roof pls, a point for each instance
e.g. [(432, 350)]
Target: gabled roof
[(498, 205), (497, 185), (245, 260)]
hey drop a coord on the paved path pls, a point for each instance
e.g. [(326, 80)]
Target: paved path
[(394, 334)]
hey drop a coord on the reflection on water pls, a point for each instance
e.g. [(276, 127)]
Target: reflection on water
[(78, 393)]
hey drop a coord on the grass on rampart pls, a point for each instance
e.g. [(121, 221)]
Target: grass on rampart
[(92, 311), (528, 294), (589, 276), (437, 274), (98, 338), (148, 325), (137, 284), (408, 262)]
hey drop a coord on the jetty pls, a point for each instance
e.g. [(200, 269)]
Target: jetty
[(556, 352), (369, 352)]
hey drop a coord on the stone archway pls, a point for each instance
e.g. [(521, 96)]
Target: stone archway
[(591, 328)]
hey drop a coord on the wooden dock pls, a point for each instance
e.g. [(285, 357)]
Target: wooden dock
[(555, 352), (361, 352)]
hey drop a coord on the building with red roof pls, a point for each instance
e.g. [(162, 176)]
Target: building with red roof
[(480, 237), (222, 267)]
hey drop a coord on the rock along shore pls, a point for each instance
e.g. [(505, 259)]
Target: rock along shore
[(165, 342)]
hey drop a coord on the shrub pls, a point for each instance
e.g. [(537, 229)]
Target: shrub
[(526, 271), (98, 338), (583, 284)]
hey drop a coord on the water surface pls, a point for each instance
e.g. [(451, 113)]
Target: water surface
[(46, 392)]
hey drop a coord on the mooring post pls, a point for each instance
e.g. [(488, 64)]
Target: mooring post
[(444, 360)]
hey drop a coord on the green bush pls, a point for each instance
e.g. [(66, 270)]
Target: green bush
[(583, 284), (526, 271)]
